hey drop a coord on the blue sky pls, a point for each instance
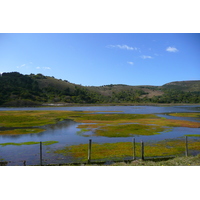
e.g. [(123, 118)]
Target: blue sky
[(103, 58)]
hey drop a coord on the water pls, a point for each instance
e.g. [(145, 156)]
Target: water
[(65, 133), (125, 109)]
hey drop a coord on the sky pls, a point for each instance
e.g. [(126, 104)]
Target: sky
[(96, 59)]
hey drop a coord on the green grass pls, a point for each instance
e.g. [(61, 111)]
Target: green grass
[(120, 130), (21, 131), (110, 125), (197, 115), (28, 143), (32, 118), (127, 130), (87, 118), (121, 150), (193, 135)]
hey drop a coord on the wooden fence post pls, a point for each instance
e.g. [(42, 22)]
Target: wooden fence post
[(142, 150), (134, 157), (89, 150), (40, 153), (186, 146)]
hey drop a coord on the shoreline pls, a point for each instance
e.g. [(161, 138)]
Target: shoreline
[(103, 104)]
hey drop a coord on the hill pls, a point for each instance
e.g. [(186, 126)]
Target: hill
[(31, 90)]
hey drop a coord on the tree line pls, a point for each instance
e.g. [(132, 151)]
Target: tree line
[(29, 90)]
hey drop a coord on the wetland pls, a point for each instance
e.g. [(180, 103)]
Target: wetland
[(65, 132)]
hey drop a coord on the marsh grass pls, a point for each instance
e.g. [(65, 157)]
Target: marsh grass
[(196, 115), (28, 143), (193, 135), (32, 118), (110, 125), (21, 131), (127, 130), (121, 150), (111, 117), (125, 125)]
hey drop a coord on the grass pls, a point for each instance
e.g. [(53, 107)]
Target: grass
[(101, 118), (31, 118), (197, 115), (119, 130), (121, 150), (21, 131), (126, 125), (193, 135), (110, 125), (127, 130), (28, 143)]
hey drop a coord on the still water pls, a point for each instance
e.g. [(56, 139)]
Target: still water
[(65, 133)]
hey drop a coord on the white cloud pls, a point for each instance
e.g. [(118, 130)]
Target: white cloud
[(121, 47), (131, 63), (171, 49), (46, 68), (21, 66), (146, 57)]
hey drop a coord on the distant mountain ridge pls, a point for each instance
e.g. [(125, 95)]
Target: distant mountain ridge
[(28, 90)]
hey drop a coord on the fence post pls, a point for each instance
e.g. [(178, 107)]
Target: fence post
[(89, 150), (142, 150), (134, 157), (186, 146), (40, 153)]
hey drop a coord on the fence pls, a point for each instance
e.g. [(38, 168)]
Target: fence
[(140, 153), (142, 150)]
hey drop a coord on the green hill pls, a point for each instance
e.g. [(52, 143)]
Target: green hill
[(32, 90)]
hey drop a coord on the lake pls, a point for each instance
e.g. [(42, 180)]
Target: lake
[(65, 133)]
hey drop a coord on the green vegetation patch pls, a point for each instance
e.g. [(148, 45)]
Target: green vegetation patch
[(126, 125), (197, 115), (92, 118), (121, 150), (127, 130), (21, 131), (169, 122), (31, 118), (110, 125), (28, 143), (193, 135)]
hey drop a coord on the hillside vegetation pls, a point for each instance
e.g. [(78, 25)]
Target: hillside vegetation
[(32, 90)]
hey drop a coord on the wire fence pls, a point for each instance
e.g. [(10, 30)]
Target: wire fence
[(93, 153)]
